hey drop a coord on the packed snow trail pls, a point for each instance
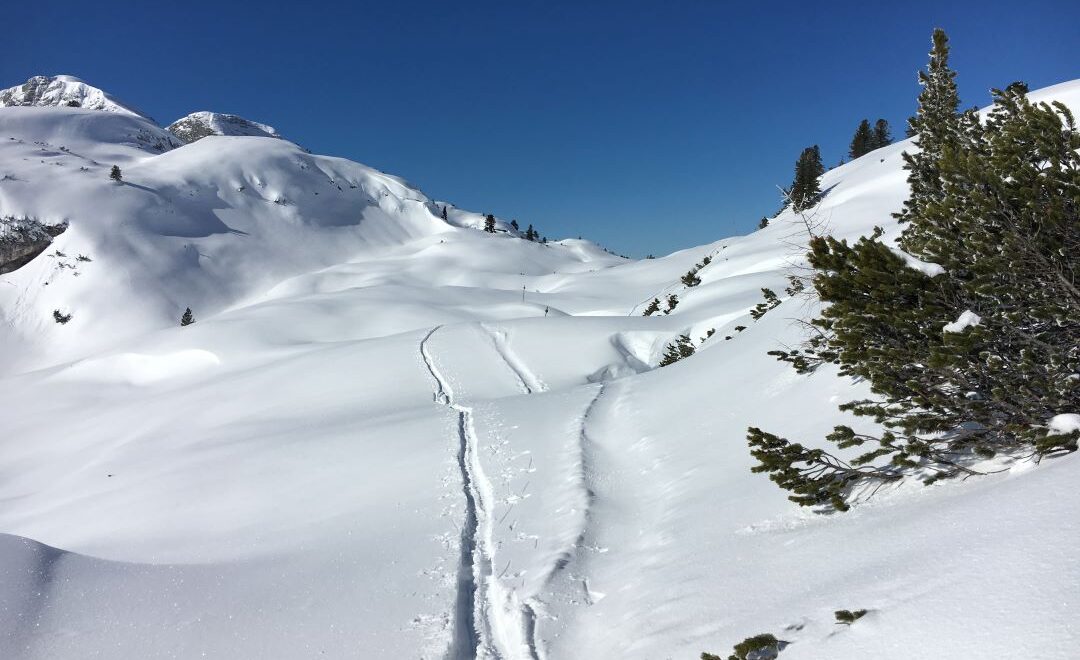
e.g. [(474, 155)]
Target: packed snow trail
[(486, 623), (529, 381)]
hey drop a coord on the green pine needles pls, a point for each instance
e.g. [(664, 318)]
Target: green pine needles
[(973, 353)]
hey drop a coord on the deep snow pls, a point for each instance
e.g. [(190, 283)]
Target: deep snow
[(390, 436)]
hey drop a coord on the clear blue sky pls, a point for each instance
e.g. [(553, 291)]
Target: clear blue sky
[(647, 126)]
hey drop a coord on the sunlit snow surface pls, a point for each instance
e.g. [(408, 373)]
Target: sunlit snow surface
[(389, 436)]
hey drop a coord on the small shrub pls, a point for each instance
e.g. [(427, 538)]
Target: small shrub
[(653, 307), (188, 318), (60, 317), (758, 647), (848, 617)]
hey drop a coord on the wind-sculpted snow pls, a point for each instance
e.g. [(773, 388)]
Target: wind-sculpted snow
[(392, 436)]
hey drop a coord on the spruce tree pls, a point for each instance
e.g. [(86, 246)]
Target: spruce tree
[(936, 123), (530, 233), (652, 308), (188, 318), (882, 135), (489, 223), (805, 189), (514, 225), (444, 212), (115, 174), (682, 347), (863, 141)]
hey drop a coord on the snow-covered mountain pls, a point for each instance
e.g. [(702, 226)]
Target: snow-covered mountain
[(391, 436), (198, 125), (63, 91)]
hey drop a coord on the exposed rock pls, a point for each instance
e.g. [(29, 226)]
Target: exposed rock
[(198, 125), (22, 239)]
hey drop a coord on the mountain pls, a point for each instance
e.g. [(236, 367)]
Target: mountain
[(65, 91), (388, 435), (198, 125)]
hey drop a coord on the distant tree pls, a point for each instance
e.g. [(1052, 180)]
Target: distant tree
[(882, 134), (763, 223), (530, 233), (115, 174), (863, 141), (805, 189), (653, 307), (762, 308), (489, 224), (60, 317), (188, 318), (74, 104), (514, 225), (682, 347), (444, 212), (672, 303)]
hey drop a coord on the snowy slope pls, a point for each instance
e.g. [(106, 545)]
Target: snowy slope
[(391, 436), (202, 124)]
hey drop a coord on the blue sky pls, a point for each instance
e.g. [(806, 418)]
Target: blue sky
[(647, 126)]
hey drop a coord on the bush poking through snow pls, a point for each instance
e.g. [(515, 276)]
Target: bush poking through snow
[(682, 347), (672, 303), (762, 308), (848, 617), (188, 318), (691, 277), (60, 317), (758, 647), (653, 307)]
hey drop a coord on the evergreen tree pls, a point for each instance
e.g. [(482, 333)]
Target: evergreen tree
[(530, 233), (188, 318), (653, 307), (672, 303), (763, 223), (115, 174), (863, 142), (682, 347), (805, 189), (936, 124), (999, 220), (489, 223), (444, 212), (514, 225), (882, 135)]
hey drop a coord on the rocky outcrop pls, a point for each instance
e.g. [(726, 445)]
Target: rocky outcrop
[(63, 91), (198, 125), (22, 239)]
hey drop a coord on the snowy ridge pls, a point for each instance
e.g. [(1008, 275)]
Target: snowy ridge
[(202, 124), (63, 91), (388, 435)]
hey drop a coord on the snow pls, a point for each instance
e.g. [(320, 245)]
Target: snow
[(967, 319), (372, 444), (1064, 424)]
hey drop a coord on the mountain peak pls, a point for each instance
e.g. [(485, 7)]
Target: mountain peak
[(202, 124), (64, 91)]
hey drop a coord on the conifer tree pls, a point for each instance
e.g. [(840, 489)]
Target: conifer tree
[(882, 135), (115, 174), (936, 123), (653, 307), (863, 141), (444, 212), (489, 223), (682, 347), (188, 318), (763, 223), (995, 211), (530, 233), (514, 225), (805, 189)]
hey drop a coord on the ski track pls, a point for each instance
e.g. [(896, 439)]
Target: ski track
[(530, 382)]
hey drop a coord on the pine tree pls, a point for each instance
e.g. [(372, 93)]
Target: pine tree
[(444, 212), (530, 233), (682, 347), (805, 189), (882, 135), (672, 303), (998, 217), (763, 223), (188, 318), (935, 125), (863, 142), (653, 307), (115, 174), (514, 225), (489, 223)]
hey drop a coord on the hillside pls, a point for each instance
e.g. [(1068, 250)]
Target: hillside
[(388, 435)]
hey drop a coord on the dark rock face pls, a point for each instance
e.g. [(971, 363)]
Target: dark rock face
[(22, 239)]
